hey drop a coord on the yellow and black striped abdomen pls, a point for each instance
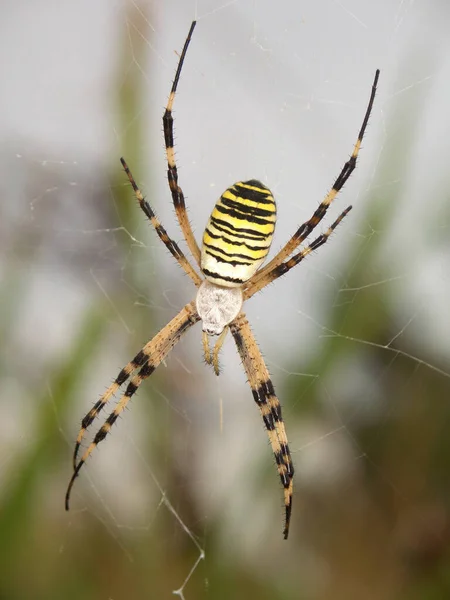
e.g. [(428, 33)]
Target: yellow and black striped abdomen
[(239, 232)]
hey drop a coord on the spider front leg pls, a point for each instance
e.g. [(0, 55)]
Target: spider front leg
[(269, 407), (145, 362)]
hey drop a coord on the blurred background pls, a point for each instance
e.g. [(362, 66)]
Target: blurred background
[(183, 496)]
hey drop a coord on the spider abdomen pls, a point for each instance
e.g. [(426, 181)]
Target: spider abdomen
[(239, 233)]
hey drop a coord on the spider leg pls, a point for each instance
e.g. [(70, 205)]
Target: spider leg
[(138, 361), (172, 172), (294, 260), (147, 359), (306, 228), (172, 246), (269, 406)]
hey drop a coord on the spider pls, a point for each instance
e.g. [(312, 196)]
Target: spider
[(236, 241)]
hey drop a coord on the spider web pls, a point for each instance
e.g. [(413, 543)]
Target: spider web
[(268, 94)]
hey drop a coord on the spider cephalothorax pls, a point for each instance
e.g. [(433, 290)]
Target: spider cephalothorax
[(236, 241)]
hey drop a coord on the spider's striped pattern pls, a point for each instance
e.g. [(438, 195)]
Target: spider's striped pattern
[(238, 235), (236, 241)]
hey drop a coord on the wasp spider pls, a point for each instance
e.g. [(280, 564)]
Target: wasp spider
[(236, 241)]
